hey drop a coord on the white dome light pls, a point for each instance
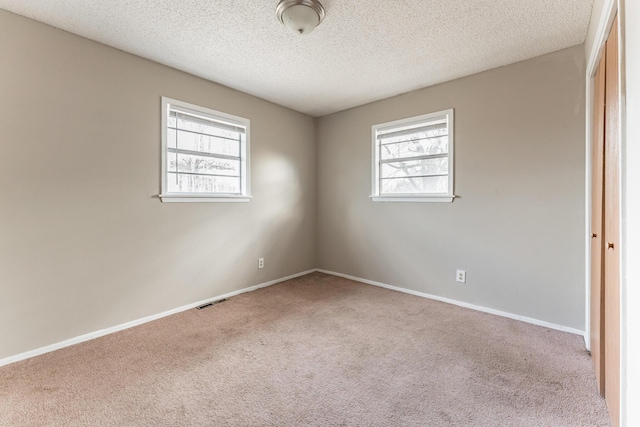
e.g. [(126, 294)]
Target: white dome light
[(302, 16)]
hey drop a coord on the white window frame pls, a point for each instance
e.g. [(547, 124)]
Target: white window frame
[(208, 113), (376, 165)]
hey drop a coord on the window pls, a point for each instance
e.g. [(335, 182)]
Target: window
[(205, 154), (413, 159)]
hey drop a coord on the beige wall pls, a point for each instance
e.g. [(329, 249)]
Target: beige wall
[(84, 243), (517, 226)]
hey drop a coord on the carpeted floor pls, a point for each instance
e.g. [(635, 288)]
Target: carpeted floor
[(314, 351)]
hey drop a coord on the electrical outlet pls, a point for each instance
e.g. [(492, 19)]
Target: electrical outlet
[(260, 262), (461, 276)]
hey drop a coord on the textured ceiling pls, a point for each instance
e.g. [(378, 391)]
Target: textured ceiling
[(363, 51)]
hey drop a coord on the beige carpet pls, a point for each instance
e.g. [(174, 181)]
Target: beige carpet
[(313, 351)]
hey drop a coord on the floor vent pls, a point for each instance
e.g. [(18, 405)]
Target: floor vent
[(209, 304), (200, 307)]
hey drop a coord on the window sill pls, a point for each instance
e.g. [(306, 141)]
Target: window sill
[(191, 198), (420, 199)]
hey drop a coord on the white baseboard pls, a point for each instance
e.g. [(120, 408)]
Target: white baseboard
[(107, 331), (459, 303)]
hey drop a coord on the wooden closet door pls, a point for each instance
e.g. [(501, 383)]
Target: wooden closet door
[(612, 229), (597, 181)]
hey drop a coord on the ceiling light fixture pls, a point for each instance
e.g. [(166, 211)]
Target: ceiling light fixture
[(302, 16)]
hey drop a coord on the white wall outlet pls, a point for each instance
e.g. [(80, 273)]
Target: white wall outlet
[(461, 276), (260, 262)]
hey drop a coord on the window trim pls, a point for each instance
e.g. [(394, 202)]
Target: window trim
[(412, 197), (166, 196)]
